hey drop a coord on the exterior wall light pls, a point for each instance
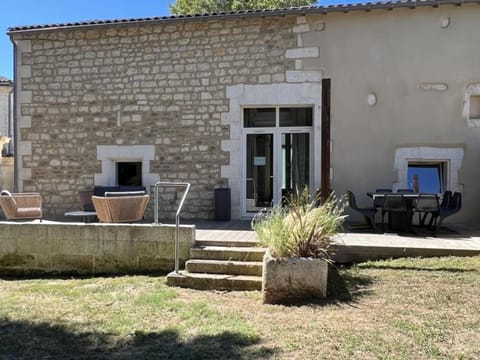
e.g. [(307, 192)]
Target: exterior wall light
[(371, 99), (445, 22)]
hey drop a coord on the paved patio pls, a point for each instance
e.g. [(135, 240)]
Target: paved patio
[(355, 246), (455, 240)]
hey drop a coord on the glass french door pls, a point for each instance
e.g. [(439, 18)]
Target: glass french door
[(295, 163), (259, 172), (277, 144), (277, 166)]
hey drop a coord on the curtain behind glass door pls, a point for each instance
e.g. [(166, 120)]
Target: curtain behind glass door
[(259, 184), (295, 163)]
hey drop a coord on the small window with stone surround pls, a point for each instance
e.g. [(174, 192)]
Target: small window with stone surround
[(475, 107), (471, 105), (436, 167), (134, 163)]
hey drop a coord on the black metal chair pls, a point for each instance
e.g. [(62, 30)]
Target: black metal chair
[(427, 204), (378, 201), (454, 206), (368, 213), (383, 190), (446, 197), (404, 191), (399, 213)]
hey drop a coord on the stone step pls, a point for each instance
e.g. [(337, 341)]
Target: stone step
[(224, 267), (226, 243), (214, 281), (227, 253)]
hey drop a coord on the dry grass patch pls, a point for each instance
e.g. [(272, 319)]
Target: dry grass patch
[(400, 309)]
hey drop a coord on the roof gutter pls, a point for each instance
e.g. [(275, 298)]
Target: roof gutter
[(390, 5)]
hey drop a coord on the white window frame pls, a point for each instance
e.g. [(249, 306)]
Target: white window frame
[(470, 90), (109, 155), (452, 156), (281, 94)]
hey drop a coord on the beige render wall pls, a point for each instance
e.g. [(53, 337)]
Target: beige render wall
[(391, 53), (161, 85)]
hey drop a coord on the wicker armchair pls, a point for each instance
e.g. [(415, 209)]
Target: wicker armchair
[(120, 209), (21, 205)]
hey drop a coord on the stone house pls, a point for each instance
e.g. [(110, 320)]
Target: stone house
[(6, 113), (235, 100)]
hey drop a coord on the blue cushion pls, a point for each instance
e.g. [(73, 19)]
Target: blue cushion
[(100, 190)]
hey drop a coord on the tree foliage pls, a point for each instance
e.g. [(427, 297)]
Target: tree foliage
[(185, 7)]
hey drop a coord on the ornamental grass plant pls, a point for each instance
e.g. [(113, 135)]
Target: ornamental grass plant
[(301, 228)]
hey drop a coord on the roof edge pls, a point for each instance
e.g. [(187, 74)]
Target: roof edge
[(341, 8), (5, 81)]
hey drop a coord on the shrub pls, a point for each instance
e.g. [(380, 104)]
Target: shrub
[(301, 229)]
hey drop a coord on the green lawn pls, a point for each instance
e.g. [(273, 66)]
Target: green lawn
[(400, 309)]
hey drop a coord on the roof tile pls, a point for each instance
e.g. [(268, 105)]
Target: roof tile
[(367, 6)]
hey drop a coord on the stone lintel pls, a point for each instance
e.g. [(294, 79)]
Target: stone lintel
[(298, 76), (301, 28), (300, 53)]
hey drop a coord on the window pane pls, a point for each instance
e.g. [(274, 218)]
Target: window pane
[(261, 117), (295, 163), (296, 116), (129, 173), (428, 177)]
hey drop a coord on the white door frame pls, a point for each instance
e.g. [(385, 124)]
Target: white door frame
[(277, 131)]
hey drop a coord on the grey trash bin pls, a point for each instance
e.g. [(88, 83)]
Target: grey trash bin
[(222, 204)]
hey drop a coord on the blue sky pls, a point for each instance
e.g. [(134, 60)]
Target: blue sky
[(35, 12)]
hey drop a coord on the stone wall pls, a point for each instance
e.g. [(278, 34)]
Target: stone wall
[(46, 248), (162, 85)]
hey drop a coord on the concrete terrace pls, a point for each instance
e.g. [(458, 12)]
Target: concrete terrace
[(217, 248), (355, 246)]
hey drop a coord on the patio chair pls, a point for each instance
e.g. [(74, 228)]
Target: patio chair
[(368, 213), (404, 191), (427, 204), (446, 197), (454, 206), (19, 206), (378, 202), (120, 208), (85, 197), (399, 214)]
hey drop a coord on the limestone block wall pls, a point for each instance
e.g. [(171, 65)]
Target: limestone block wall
[(162, 85), (45, 248)]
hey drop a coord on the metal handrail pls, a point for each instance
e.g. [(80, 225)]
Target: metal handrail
[(177, 215)]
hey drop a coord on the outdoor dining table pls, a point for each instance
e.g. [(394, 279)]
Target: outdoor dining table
[(396, 220), (409, 196)]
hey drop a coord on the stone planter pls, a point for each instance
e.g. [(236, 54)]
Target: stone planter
[(286, 280)]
